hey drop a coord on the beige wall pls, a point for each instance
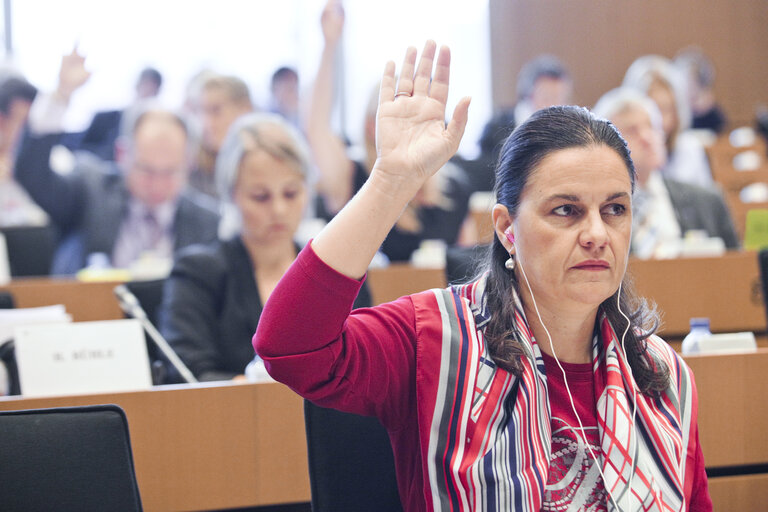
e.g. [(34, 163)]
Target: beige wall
[(598, 39)]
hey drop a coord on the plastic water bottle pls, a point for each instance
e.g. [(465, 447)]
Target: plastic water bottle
[(692, 341)]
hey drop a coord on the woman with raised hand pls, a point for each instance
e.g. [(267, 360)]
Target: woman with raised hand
[(538, 386)]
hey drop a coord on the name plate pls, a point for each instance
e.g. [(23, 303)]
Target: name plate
[(82, 358)]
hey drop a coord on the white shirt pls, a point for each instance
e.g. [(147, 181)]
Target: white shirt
[(656, 232)]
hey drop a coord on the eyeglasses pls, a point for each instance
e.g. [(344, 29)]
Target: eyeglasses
[(164, 174)]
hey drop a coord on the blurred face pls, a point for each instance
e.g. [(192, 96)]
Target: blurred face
[(645, 141), (271, 196), (285, 93), (12, 124), (573, 228), (156, 166), (218, 112), (549, 92), (147, 89), (664, 98)]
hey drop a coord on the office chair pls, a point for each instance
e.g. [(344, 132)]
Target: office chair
[(462, 263), (67, 459), (30, 249), (351, 466)]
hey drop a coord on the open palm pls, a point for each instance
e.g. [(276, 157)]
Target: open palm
[(412, 138)]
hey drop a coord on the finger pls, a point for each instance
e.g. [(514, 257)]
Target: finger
[(405, 83), (424, 72), (439, 87), (387, 89), (458, 121)]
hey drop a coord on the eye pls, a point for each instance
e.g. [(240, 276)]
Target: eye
[(290, 194), (566, 210), (260, 198), (615, 209)]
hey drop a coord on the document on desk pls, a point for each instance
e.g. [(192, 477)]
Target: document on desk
[(82, 358), (12, 318)]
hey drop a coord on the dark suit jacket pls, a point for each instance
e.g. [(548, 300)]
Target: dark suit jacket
[(99, 138), (699, 208), (88, 206), (211, 307)]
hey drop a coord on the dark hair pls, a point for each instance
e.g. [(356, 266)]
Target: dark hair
[(282, 73), (543, 66), (549, 130), (15, 88), (151, 74)]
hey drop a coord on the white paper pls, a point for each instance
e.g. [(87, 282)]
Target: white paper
[(12, 318), (82, 358)]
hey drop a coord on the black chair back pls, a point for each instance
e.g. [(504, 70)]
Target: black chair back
[(67, 459), (462, 263), (30, 249), (351, 466)]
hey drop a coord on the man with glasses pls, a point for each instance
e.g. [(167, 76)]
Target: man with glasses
[(118, 213)]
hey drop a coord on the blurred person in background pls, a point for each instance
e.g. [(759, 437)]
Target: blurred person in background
[(542, 82), (661, 81), (215, 293), (435, 213), (699, 72), (220, 100), (16, 97), (100, 136), (663, 209), (284, 91), (115, 213)]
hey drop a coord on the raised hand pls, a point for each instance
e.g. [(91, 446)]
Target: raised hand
[(412, 138), (72, 74), (332, 21)]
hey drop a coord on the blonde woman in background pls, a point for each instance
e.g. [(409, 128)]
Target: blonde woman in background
[(660, 80), (215, 293)]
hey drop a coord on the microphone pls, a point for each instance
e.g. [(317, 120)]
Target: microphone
[(130, 305)]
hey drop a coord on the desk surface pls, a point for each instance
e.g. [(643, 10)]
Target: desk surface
[(209, 446), (227, 445)]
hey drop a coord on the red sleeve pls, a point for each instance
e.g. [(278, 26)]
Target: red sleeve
[(362, 362), (696, 476), (700, 500)]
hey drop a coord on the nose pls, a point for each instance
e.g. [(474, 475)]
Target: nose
[(280, 206), (593, 231)]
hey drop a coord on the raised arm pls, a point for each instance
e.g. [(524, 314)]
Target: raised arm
[(412, 143), (328, 149)]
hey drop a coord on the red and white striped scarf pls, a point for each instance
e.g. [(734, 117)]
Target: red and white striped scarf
[(489, 433)]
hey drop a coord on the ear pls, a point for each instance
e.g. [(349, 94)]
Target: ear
[(502, 222)]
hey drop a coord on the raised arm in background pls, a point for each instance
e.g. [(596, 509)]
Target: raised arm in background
[(413, 142), (328, 149), (60, 196)]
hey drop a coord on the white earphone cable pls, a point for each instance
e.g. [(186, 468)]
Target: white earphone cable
[(568, 389)]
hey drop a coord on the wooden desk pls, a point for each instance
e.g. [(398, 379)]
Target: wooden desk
[(726, 289), (733, 422), (209, 446), (398, 279), (85, 301)]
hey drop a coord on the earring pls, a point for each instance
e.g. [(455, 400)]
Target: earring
[(510, 263)]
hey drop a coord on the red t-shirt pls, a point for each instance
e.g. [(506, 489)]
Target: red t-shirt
[(574, 481)]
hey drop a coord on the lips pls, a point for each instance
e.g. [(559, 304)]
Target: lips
[(592, 265)]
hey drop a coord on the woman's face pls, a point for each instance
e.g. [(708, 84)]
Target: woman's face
[(271, 196), (664, 98), (573, 227)]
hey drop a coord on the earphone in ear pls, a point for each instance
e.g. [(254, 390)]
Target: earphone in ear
[(510, 263), (509, 235)]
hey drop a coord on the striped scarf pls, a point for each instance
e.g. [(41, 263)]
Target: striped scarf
[(489, 435)]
